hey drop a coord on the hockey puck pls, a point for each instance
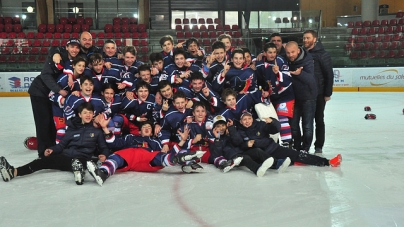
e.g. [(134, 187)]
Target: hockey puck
[(367, 108), (370, 116)]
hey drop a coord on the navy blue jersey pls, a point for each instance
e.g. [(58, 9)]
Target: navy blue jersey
[(107, 76), (113, 107), (128, 73), (172, 121), (196, 128), (136, 108), (246, 77), (131, 141), (280, 85), (212, 102), (245, 103), (72, 102), (173, 72), (168, 58), (215, 68)]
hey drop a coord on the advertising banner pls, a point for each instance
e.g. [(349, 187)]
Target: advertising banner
[(16, 81)]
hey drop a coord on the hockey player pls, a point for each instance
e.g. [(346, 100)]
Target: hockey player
[(139, 109), (81, 142), (234, 74), (254, 134), (128, 69), (145, 75), (195, 53), (201, 91), (179, 72), (79, 65), (140, 159), (167, 44), (71, 103), (273, 76), (224, 151), (226, 40), (100, 74), (215, 62)]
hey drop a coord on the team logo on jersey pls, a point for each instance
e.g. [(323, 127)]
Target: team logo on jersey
[(91, 135), (258, 134)]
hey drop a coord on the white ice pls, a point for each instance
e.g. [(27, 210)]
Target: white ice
[(367, 190)]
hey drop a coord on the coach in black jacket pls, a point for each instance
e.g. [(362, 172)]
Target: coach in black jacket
[(39, 95), (325, 79), (301, 68)]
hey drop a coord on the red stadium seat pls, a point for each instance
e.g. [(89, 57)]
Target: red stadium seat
[(46, 43), (77, 28), (135, 35), (143, 35), (81, 20), (177, 21), (367, 24), (37, 43), (101, 35), (8, 20), (194, 27), (109, 35), (188, 35), (377, 39), (354, 31), (55, 43), (57, 35), (118, 35), (8, 28), (372, 54), (380, 30), (116, 20), (144, 42), (204, 35), (66, 35), (369, 39), (393, 22), (203, 28), (399, 29), (390, 30), (100, 43), (17, 28), (68, 28), (196, 35), (89, 21), (217, 21), (125, 21), (63, 20), (363, 54), (144, 50), (30, 35), (51, 28), (385, 46), (75, 35), (12, 35), (384, 23), (185, 21), (394, 45), (71, 20), (133, 28), (85, 27), (44, 51), (125, 28), (358, 24), (226, 27), (135, 42), (34, 51), (187, 27), (354, 55), (132, 20), (386, 38), (400, 53), (116, 28), (201, 21), (234, 27), (118, 42), (372, 31), (375, 23), (41, 58), (350, 24), (194, 21), (219, 27), (363, 31), (108, 28), (391, 54), (401, 21), (21, 35), (178, 27), (60, 28)]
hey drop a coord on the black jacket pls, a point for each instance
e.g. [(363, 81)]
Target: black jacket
[(224, 147), (81, 140), (322, 69), (46, 81), (304, 85), (259, 132)]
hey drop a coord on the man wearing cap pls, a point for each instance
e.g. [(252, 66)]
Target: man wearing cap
[(39, 91)]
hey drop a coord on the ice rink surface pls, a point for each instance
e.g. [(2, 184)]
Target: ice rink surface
[(367, 190)]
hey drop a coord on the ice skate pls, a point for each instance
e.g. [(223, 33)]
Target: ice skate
[(96, 173), (192, 167), (336, 161), (181, 158), (285, 163), (78, 171), (265, 166), (226, 166), (7, 171)]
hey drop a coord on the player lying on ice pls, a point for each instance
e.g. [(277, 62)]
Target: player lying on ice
[(140, 159), (79, 144)]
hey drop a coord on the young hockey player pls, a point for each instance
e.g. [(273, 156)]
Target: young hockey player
[(81, 142)]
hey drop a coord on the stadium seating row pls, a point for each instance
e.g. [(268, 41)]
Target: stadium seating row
[(124, 28), (198, 21), (11, 28), (377, 54), (376, 23), (374, 46), (376, 38), (205, 34), (79, 20), (377, 30), (60, 28), (48, 35), (61, 42), (10, 20), (203, 27)]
